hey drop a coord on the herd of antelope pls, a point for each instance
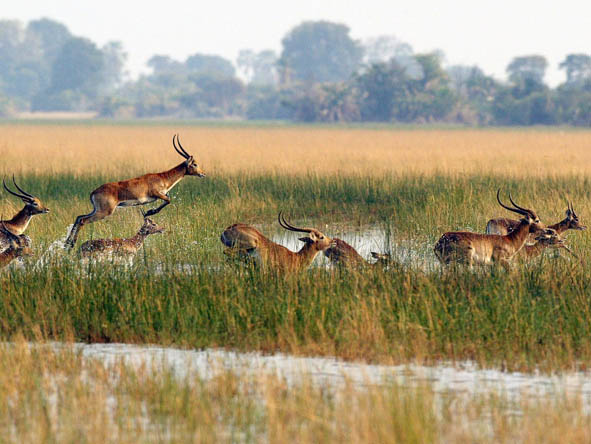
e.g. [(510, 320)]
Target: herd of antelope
[(505, 240)]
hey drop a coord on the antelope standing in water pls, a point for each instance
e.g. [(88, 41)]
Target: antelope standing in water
[(139, 191), (124, 248), (344, 255), (485, 249), (503, 225), (246, 242), (19, 223), (18, 246)]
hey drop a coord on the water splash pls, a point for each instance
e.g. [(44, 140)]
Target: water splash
[(55, 252)]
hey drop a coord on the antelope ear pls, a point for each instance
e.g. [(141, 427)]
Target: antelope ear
[(306, 240), (568, 212)]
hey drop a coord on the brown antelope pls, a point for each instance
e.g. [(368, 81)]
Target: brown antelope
[(120, 247), (246, 242), (18, 246), (503, 225), (139, 191), (344, 255), (19, 223), (483, 249), (548, 239)]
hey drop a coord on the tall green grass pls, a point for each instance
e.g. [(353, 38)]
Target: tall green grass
[(181, 290)]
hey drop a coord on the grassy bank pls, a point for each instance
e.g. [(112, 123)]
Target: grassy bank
[(181, 290)]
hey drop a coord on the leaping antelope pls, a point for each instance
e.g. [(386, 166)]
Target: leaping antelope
[(139, 191), (484, 249), (503, 225), (344, 255), (19, 223), (245, 241), (18, 246), (120, 247)]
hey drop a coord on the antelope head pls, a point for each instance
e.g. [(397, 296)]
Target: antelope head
[(149, 227), (315, 238), (32, 204), (192, 168), (535, 225), (572, 220), (551, 238)]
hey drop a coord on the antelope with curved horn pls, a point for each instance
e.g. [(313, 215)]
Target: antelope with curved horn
[(121, 247), (245, 241), (503, 225), (33, 206), (484, 249), (344, 255), (18, 246), (139, 191)]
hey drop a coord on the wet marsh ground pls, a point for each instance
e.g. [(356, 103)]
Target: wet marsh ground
[(384, 190)]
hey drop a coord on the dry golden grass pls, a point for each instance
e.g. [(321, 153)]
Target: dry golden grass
[(128, 150)]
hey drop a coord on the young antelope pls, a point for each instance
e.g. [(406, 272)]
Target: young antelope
[(344, 255), (120, 247)]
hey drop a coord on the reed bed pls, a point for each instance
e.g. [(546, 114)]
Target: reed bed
[(182, 290)]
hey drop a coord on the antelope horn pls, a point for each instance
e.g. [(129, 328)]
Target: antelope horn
[(290, 227), (515, 210), (572, 209), (20, 196), (179, 149), (178, 140), (517, 206), (143, 213), (176, 148), (20, 189)]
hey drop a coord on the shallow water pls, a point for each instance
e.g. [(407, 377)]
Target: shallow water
[(416, 253), (461, 378)]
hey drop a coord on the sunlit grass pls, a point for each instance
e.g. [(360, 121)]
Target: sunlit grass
[(122, 151)]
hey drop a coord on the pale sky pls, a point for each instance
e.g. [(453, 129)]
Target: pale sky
[(486, 33)]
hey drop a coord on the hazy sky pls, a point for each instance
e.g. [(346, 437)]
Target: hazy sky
[(486, 33)]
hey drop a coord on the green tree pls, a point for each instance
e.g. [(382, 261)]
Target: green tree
[(163, 64), (527, 69), (51, 36), (577, 67), (213, 65), (78, 67), (381, 87), (319, 52)]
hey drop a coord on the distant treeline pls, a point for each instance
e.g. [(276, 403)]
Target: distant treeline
[(321, 75)]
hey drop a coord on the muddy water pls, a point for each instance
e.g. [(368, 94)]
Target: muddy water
[(461, 378)]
